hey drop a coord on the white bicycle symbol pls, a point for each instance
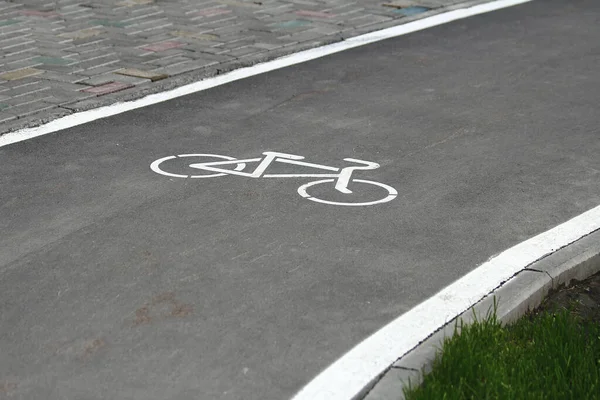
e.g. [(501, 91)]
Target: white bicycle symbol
[(342, 177)]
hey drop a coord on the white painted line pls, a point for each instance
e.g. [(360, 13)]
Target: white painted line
[(392, 193), (347, 376), (80, 118)]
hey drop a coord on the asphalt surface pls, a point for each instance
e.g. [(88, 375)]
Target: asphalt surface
[(120, 283)]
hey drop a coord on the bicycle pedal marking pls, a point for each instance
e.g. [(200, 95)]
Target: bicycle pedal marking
[(214, 165)]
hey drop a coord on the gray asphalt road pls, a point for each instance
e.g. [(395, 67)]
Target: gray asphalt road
[(120, 283)]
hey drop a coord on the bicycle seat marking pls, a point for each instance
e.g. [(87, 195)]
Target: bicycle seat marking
[(213, 165)]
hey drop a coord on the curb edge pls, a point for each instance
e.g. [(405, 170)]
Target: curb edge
[(524, 291)]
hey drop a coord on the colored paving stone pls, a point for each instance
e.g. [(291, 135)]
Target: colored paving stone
[(414, 10), (108, 88), (162, 46), (138, 73), (7, 22), (295, 23), (52, 60), (20, 74), (36, 13), (316, 14)]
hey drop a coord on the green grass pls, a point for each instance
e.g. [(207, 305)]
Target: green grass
[(543, 356)]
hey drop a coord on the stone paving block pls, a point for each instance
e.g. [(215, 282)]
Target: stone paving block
[(47, 60), (194, 35), (365, 20), (19, 74), (83, 52), (304, 36), (282, 9), (19, 49), (93, 54), (107, 88), (73, 87), (198, 44), (153, 76), (214, 50), (37, 13), (200, 55), (111, 23), (99, 80), (31, 80), (238, 31), (244, 51), (267, 46), (410, 11), (7, 22), (83, 42), (57, 68), (28, 98), (400, 4), (20, 45), (164, 62), (96, 63), (326, 30), (162, 46), (11, 37), (236, 44), (185, 67), (236, 3), (212, 12), (132, 80), (21, 65), (8, 60), (61, 96), (59, 77), (44, 52), (292, 24), (18, 91), (31, 108), (315, 14), (101, 70), (158, 36), (6, 116)]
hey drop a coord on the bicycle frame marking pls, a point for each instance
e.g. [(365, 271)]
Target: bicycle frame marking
[(341, 178)]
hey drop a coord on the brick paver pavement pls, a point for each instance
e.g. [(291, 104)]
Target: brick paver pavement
[(58, 57)]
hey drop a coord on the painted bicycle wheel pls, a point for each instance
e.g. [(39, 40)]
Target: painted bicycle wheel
[(175, 166), (391, 193)]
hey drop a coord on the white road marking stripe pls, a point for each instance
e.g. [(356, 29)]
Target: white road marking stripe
[(353, 371), (83, 117)]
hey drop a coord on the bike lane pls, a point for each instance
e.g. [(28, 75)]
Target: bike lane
[(118, 282)]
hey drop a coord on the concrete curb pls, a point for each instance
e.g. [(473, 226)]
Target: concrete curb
[(524, 291)]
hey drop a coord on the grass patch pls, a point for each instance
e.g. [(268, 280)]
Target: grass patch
[(548, 355)]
